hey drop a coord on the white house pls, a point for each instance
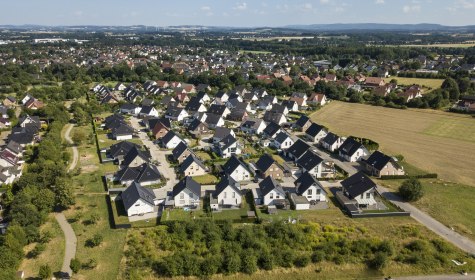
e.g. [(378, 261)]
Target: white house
[(138, 200), (226, 195), (187, 193), (309, 187), (271, 191), (237, 169), (315, 133), (149, 111), (282, 141), (171, 140), (229, 146), (253, 126), (360, 188), (352, 151), (332, 142), (311, 163)]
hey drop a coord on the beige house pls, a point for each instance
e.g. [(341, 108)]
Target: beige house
[(379, 164)]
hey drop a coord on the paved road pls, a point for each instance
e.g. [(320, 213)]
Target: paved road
[(165, 169), (69, 235), (438, 277), (75, 149), (448, 234)]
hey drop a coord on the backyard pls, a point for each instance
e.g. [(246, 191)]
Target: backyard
[(427, 84)]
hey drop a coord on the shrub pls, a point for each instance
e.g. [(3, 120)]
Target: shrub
[(302, 261), (39, 248), (318, 256), (249, 263), (417, 246), (379, 261), (90, 264), (441, 246), (96, 240), (411, 190), (75, 265), (45, 272)]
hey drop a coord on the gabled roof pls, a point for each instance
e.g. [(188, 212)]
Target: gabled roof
[(187, 183), (121, 148), (309, 160), (217, 109), (147, 109), (224, 183), (252, 123), (179, 150), (213, 119), (135, 192), (14, 147), (350, 146), (169, 136), (190, 160), (143, 173), (271, 128), (305, 181), (281, 137), (128, 106), (122, 129), (379, 160), (357, 184), (133, 154), (269, 184), (195, 124), (298, 148), (331, 138), (264, 162), (227, 141), (222, 132), (233, 163), (314, 129), (193, 105)]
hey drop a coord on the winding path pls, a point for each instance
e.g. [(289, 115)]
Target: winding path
[(69, 235)]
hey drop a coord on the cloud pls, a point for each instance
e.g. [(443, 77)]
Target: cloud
[(467, 4), (324, 1), (307, 6), (79, 13), (206, 8), (241, 6), (379, 2), (411, 9)]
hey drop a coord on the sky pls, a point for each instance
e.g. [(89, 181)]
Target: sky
[(244, 13)]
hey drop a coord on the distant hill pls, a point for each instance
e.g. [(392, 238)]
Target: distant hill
[(380, 27)]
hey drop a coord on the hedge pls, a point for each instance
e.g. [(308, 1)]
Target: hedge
[(423, 176)]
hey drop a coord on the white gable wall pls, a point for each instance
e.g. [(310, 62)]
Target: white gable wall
[(229, 197)]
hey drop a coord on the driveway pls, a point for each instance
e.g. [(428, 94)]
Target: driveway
[(160, 156), (75, 149)]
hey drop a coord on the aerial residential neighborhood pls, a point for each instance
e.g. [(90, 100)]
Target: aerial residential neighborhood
[(237, 140)]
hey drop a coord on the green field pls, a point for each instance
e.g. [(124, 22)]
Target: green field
[(434, 141), (254, 52), (428, 85), (459, 45), (449, 203)]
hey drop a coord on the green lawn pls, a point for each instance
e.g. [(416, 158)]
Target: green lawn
[(203, 155), (427, 84), (450, 203), (411, 169), (207, 179)]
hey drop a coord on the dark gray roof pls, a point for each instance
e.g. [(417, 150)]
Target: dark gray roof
[(135, 192), (14, 147), (122, 129), (173, 111), (271, 129), (179, 150), (379, 160), (309, 160), (302, 121), (217, 109), (128, 106), (212, 119), (232, 164), (305, 181), (298, 148), (331, 138), (189, 160), (222, 132), (143, 173), (314, 129), (224, 183), (146, 109), (187, 183), (227, 141), (350, 146), (271, 116), (133, 154), (264, 162), (121, 148), (357, 184), (193, 105), (169, 136), (281, 137), (269, 184)]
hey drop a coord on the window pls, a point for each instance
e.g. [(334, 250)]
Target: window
[(368, 195), (191, 195), (138, 204), (319, 191), (182, 196), (225, 195), (234, 195), (309, 192), (277, 196), (271, 195), (361, 196)]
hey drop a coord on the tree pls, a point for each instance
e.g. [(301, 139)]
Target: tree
[(411, 190), (45, 272), (79, 136), (75, 265), (249, 263), (452, 87), (96, 240)]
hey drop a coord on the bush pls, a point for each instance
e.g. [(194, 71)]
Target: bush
[(411, 190), (318, 256), (96, 240), (90, 264), (379, 261), (249, 263), (441, 246), (75, 265), (39, 248), (302, 261), (45, 272)]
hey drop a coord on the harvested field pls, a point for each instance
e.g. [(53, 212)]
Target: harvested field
[(435, 141)]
